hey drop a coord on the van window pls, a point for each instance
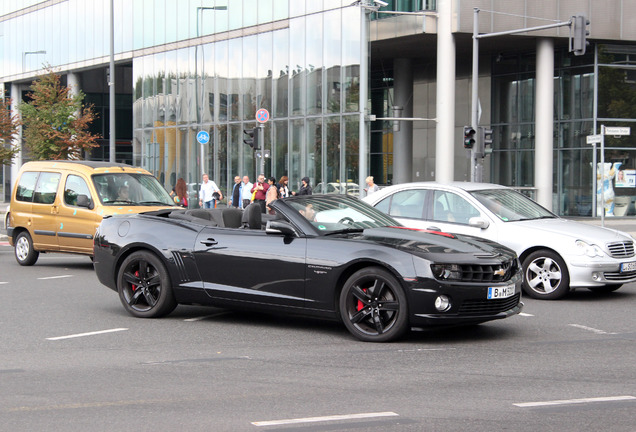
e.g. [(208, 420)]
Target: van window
[(46, 188), (75, 185), (26, 186)]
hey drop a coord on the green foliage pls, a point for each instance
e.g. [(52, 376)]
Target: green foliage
[(56, 122), (9, 125)]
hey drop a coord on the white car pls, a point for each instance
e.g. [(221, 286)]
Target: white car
[(557, 254)]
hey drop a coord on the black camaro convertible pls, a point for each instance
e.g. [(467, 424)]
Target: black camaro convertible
[(328, 256)]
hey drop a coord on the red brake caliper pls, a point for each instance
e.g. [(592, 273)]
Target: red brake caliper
[(134, 287), (360, 304)]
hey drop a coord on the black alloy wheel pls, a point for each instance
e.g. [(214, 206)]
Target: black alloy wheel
[(25, 255), (373, 306), (144, 286), (545, 275)]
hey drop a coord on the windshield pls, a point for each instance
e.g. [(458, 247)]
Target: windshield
[(131, 189), (510, 205), (330, 216)]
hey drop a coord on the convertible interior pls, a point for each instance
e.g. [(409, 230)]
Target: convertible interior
[(230, 217)]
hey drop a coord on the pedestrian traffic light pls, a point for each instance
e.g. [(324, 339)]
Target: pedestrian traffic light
[(483, 145), (469, 137), (252, 137), (579, 34)]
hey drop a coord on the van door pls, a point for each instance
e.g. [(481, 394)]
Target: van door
[(76, 224), (44, 211)]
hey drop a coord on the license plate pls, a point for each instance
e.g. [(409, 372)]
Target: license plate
[(626, 267), (501, 292)]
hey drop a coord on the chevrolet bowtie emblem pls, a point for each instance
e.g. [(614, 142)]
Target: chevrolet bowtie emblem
[(500, 272)]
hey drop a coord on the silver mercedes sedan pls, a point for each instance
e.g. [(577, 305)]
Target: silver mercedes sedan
[(557, 255)]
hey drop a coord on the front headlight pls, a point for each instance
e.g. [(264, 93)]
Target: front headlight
[(589, 249), (446, 271)]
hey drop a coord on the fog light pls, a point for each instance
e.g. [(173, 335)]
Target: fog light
[(442, 303), (596, 276)]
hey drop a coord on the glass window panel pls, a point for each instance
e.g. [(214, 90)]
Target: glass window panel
[(250, 51), (124, 27), (221, 164), (280, 70), (221, 65), (280, 158), (235, 72), (265, 11), (281, 9), (138, 27), (250, 13), (351, 58), (171, 88), (170, 23), (264, 65), (297, 28), (208, 72), (351, 151), (315, 154), (332, 151), (235, 11), (332, 60), (296, 146), (297, 8), (185, 20), (314, 64)]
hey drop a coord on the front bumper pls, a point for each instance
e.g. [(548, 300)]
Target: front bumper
[(599, 273)]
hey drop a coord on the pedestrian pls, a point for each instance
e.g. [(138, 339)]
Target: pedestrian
[(371, 187), (235, 198), (260, 191), (305, 188), (180, 193), (246, 193), (207, 197), (272, 194), (283, 187)]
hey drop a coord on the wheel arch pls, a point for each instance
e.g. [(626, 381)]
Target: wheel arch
[(525, 253), (137, 248)]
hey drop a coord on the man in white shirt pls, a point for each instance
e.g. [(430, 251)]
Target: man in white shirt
[(206, 193), (246, 192)]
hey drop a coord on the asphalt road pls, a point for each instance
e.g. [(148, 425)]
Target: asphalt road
[(73, 360)]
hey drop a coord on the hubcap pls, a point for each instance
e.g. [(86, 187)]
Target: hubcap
[(543, 275), (22, 248)]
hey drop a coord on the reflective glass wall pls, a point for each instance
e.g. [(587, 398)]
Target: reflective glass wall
[(304, 70), (576, 180)]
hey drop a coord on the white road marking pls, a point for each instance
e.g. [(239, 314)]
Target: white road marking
[(525, 314), (593, 330), (86, 334), (326, 418), (2, 283), (574, 401), (207, 316), (55, 277)]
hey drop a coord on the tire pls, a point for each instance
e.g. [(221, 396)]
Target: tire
[(144, 286), (24, 253), (545, 275), (373, 306), (605, 289)]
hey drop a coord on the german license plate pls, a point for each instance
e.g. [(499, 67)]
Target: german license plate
[(501, 292), (626, 267)]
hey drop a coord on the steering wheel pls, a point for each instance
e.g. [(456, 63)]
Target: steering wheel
[(346, 220)]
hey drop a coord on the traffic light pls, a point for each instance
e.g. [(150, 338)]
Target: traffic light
[(252, 137), (469, 137), (579, 34), (484, 142)]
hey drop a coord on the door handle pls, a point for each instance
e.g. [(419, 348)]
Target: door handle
[(209, 242)]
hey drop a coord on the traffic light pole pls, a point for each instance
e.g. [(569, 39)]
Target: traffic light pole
[(476, 168)]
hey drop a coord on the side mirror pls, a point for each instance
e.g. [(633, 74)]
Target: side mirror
[(84, 201), (478, 222), (280, 227)]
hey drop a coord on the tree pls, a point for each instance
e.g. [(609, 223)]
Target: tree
[(56, 122), (9, 125)]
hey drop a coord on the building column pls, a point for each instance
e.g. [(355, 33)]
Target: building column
[(544, 123), (16, 97), (403, 139), (445, 139)]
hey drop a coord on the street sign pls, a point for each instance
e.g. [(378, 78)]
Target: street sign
[(593, 139), (617, 130), (262, 115), (203, 137)]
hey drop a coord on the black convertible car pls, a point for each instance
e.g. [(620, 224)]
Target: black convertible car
[(329, 256)]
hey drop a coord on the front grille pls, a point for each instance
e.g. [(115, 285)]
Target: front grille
[(486, 307), (620, 277), (488, 273), (621, 249)]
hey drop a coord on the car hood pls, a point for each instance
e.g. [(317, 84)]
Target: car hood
[(542, 229), (437, 246)]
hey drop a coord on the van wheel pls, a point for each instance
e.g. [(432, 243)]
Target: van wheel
[(24, 253)]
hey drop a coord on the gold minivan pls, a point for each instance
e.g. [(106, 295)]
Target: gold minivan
[(56, 206)]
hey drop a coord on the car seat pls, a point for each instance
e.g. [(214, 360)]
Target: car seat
[(252, 217)]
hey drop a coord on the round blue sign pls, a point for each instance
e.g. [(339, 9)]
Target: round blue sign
[(203, 137)]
